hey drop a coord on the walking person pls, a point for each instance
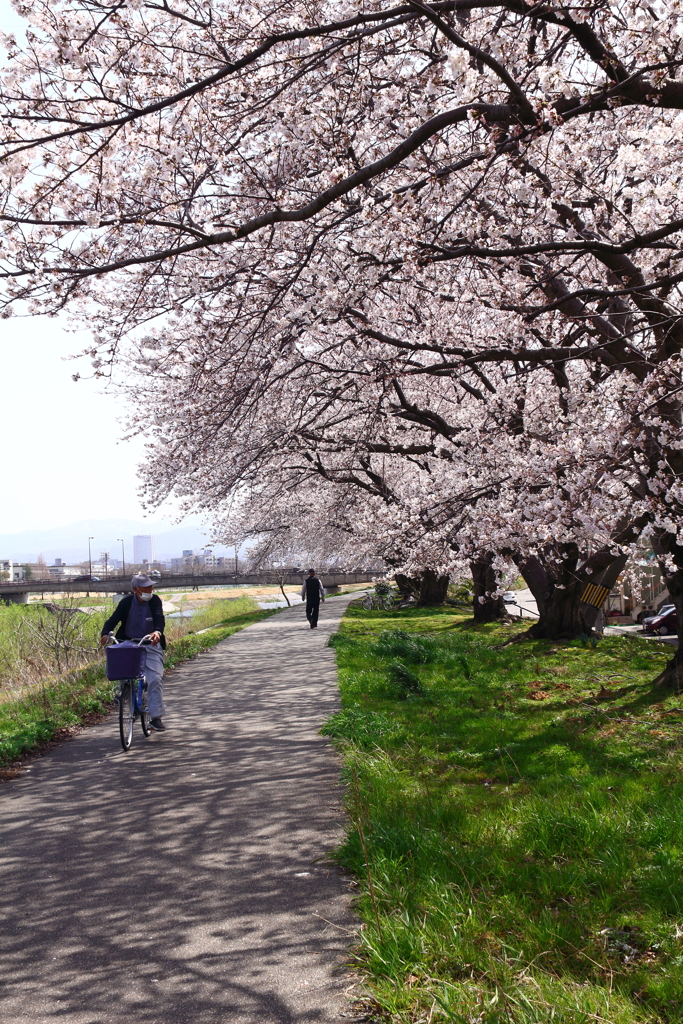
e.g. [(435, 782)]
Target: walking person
[(141, 614), (312, 593)]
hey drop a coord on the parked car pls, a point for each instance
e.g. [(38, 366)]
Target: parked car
[(664, 622), (154, 574), (509, 597)]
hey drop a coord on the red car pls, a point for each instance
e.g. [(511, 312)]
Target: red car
[(664, 622)]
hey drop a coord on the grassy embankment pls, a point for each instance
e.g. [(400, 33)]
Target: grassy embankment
[(38, 703), (516, 823)]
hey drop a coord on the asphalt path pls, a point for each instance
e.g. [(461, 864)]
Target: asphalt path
[(187, 881)]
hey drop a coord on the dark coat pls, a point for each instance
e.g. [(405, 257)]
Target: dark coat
[(122, 611), (312, 585)]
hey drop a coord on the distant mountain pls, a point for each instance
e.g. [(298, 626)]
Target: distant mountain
[(70, 542)]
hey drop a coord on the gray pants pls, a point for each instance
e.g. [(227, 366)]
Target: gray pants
[(154, 674)]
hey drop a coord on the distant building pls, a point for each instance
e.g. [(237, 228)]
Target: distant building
[(212, 561), (61, 571), (185, 563), (143, 548), (190, 561), (10, 570)]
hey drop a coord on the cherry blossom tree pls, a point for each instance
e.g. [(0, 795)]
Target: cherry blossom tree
[(473, 193), (436, 490)]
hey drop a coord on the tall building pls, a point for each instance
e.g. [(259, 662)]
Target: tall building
[(143, 548)]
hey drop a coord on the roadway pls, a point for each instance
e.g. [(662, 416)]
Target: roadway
[(187, 881)]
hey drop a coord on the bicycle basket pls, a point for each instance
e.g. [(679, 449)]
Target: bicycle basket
[(125, 661)]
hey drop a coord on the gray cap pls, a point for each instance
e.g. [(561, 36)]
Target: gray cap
[(141, 580)]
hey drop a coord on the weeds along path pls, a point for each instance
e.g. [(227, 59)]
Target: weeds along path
[(185, 882)]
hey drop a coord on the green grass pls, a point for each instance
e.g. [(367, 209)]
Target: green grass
[(516, 823), (42, 712)]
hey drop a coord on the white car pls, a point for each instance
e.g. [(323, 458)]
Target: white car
[(509, 597)]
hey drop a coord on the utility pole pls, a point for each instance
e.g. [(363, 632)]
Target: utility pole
[(90, 556), (235, 563), (123, 555)]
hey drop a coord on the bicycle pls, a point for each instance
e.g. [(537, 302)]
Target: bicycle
[(382, 600), (129, 658)]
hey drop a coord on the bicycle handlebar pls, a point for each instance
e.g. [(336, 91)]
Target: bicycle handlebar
[(113, 640)]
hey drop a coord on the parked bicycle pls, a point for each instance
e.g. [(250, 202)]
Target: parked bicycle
[(126, 666), (382, 598)]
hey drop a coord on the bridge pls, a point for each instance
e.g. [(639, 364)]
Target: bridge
[(17, 591)]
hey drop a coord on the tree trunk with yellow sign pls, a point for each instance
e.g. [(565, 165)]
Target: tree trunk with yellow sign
[(569, 591)]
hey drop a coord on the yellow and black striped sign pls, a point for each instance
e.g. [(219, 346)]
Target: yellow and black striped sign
[(595, 595)]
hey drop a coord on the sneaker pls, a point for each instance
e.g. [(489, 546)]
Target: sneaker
[(157, 725)]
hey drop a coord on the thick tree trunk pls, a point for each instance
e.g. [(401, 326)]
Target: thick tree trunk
[(665, 544), (408, 585), (672, 676), (557, 583), (557, 590), (429, 590), (562, 617), (433, 588), (486, 608)]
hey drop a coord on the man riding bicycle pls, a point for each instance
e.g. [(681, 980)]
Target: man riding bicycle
[(138, 615)]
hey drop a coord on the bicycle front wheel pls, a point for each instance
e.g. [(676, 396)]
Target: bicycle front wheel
[(126, 714), (388, 602), (144, 710), (367, 603)]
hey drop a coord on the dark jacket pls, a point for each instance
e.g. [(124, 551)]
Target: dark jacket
[(120, 618), (313, 588)]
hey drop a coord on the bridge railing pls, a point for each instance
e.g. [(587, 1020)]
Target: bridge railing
[(121, 583)]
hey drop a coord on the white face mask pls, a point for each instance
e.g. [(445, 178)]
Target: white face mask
[(145, 597)]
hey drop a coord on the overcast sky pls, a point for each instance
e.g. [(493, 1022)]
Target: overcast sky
[(61, 459)]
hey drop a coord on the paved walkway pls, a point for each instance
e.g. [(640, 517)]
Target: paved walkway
[(185, 882)]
